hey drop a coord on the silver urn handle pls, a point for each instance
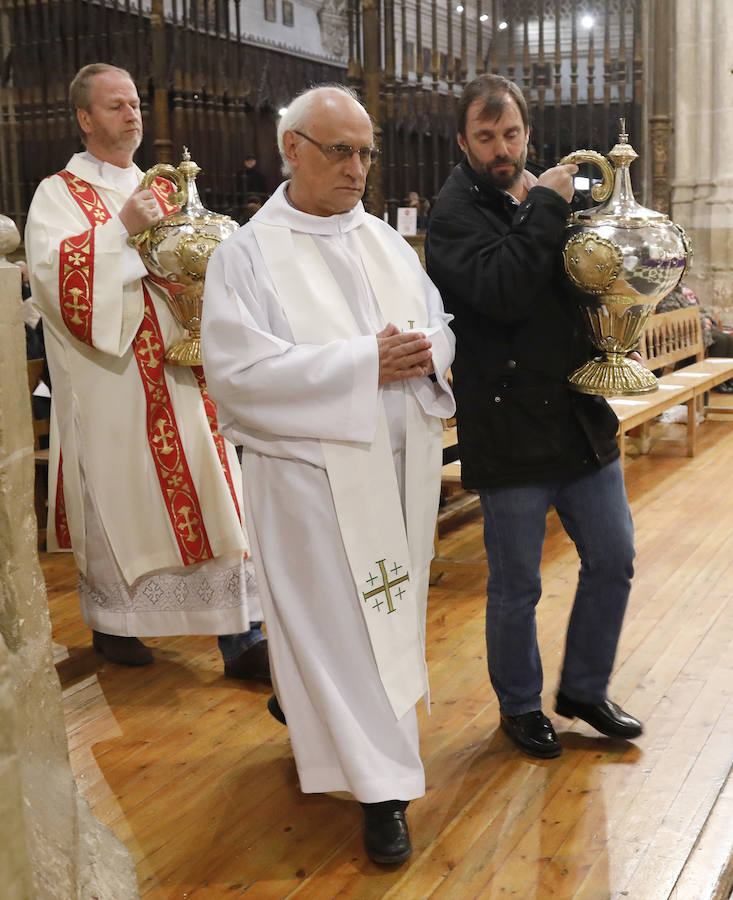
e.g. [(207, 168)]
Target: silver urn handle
[(600, 192)]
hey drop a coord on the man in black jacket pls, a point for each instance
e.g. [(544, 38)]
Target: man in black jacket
[(527, 442)]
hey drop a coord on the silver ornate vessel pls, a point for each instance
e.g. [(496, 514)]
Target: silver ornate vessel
[(177, 250), (629, 257)]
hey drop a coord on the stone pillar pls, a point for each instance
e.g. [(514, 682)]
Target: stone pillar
[(51, 847), (702, 195)]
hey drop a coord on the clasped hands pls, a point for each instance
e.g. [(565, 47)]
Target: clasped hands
[(403, 354)]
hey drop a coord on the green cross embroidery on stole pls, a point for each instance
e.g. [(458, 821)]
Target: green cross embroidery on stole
[(386, 587)]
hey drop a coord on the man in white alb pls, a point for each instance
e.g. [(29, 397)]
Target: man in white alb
[(325, 346), (142, 485)]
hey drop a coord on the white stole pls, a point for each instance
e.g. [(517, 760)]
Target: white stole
[(390, 564)]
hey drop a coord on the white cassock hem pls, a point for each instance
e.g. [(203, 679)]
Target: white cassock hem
[(163, 624), (344, 734), (367, 791)]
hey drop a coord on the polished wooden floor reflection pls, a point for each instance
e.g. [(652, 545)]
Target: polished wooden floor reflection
[(197, 779)]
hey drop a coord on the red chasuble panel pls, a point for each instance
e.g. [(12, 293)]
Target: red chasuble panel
[(165, 443), (76, 262), (162, 189), (219, 442), (61, 523)]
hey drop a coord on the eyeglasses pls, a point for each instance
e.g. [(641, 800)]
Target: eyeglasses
[(337, 153)]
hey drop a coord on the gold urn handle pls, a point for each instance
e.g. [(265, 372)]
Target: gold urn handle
[(178, 198), (164, 170), (600, 192)]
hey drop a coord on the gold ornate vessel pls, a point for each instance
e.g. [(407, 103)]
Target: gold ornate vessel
[(177, 250), (628, 257)]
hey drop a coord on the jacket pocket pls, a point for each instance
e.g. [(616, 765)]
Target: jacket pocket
[(540, 423), (525, 425)]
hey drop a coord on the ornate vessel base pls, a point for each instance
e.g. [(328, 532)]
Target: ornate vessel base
[(612, 377), (186, 352)]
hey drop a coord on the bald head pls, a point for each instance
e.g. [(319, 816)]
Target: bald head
[(326, 142), (332, 101), (301, 110)]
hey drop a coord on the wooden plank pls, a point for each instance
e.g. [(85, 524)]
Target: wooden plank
[(450, 436), (632, 411), (451, 473), (708, 871), (720, 368)]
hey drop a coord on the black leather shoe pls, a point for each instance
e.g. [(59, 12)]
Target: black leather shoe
[(533, 733), (125, 651), (274, 708), (606, 716), (386, 838), (251, 663)]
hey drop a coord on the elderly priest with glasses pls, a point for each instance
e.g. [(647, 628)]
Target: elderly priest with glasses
[(326, 347)]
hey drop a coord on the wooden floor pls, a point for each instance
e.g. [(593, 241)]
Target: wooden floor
[(197, 779)]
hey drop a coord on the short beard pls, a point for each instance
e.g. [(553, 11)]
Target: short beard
[(502, 181), (129, 142), (137, 140)]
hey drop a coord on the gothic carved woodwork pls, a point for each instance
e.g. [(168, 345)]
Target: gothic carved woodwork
[(203, 82)]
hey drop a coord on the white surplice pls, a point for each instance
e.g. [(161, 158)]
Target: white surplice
[(281, 399), (133, 579)]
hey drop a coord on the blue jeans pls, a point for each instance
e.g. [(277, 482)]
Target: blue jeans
[(595, 514), (231, 645)]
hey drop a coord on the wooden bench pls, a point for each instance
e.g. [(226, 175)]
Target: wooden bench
[(670, 338), (454, 500)]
